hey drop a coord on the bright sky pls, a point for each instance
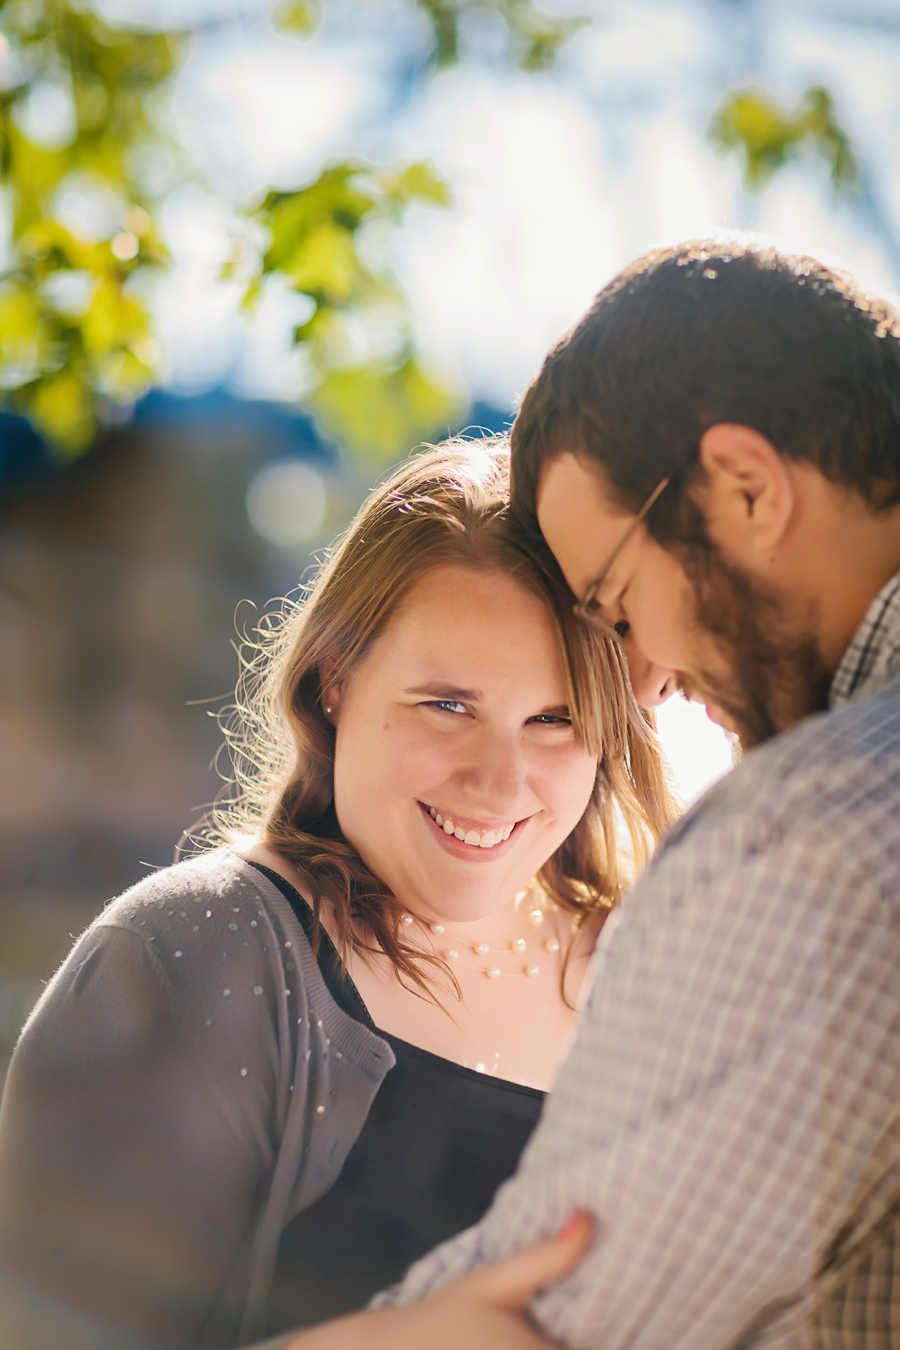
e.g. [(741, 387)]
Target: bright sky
[(558, 179)]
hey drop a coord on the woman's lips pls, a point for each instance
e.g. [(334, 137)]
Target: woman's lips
[(471, 852), (471, 831)]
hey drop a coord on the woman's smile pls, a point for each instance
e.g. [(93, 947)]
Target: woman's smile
[(471, 840)]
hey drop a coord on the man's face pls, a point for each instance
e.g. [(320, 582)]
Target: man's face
[(733, 645)]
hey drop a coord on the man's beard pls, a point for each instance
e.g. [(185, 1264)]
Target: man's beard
[(777, 675)]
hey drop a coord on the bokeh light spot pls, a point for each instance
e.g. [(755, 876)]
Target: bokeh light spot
[(125, 246), (286, 503)]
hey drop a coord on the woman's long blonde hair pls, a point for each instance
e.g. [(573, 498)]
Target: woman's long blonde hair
[(443, 506)]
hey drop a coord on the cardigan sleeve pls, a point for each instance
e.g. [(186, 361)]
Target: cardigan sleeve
[(117, 1129), (185, 1085)]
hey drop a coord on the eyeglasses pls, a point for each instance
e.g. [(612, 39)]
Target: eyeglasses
[(588, 607)]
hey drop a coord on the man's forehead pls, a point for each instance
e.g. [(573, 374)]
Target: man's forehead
[(577, 472), (578, 516)]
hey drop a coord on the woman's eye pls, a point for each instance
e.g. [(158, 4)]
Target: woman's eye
[(448, 705), (551, 720)]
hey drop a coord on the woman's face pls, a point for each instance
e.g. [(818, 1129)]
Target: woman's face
[(458, 711)]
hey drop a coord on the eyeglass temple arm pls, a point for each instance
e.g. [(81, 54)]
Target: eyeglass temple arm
[(638, 520)]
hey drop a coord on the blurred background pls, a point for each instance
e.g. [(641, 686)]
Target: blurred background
[(251, 254)]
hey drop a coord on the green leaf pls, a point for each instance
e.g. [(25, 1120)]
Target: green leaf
[(300, 18), (123, 376), (102, 327), (314, 234), (57, 357), (290, 216), (25, 344), (444, 17), (536, 35), (64, 408), (820, 126), (324, 263), (752, 125), (750, 121), (379, 415), (415, 182)]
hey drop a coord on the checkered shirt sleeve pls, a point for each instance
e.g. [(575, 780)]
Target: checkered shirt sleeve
[(730, 1110)]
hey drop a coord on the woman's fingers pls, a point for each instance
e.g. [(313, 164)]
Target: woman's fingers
[(513, 1282)]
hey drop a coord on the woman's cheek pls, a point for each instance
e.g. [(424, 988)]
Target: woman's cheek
[(572, 784), (419, 758)]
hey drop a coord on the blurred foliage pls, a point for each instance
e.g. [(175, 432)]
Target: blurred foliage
[(82, 138), (380, 411), (75, 334), (535, 35), (370, 389), (300, 18), (752, 124)]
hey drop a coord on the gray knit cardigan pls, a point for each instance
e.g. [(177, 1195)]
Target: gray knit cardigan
[(185, 1086)]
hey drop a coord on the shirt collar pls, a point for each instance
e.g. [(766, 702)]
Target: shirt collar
[(874, 651)]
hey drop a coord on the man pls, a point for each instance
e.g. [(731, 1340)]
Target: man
[(713, 455)]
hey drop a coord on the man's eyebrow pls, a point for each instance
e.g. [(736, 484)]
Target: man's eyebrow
[(446, 691)]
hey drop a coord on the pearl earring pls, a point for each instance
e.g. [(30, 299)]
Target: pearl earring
[(327, 709)]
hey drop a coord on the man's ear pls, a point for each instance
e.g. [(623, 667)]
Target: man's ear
[(748, 494)]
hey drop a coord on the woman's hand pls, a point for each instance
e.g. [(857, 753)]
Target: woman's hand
[(485, 1310)]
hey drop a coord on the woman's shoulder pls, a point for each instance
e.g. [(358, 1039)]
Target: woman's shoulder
[(212, 899), (208, 942), (208, 948), (211, 923), (215, 936), (213, 880), (188, 967)]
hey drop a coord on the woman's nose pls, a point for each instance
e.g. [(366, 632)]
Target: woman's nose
[(498, 773)]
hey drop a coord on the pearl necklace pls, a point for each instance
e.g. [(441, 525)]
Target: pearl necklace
[(516, 948)]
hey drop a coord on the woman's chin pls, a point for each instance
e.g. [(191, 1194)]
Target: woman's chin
[(437, 896)]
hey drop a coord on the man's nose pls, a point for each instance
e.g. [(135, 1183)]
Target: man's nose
[(651, 684)]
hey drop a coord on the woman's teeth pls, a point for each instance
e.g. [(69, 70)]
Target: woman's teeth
[(487, 840)]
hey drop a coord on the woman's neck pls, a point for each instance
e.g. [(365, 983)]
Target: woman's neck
[(508, 1023)]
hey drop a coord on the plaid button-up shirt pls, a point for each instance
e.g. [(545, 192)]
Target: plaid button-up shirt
[(730, 1110)]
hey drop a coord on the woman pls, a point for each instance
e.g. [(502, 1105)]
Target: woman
[(267, 1079)]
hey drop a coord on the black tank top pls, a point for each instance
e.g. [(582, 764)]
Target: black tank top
[(438, 1141)]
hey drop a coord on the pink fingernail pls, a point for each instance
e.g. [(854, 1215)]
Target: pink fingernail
[(570, 1226)]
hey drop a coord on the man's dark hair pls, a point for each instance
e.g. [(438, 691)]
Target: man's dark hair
[(718, 331)]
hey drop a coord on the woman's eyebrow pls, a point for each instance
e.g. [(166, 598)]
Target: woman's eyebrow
[(448, 691), (451, 691)]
